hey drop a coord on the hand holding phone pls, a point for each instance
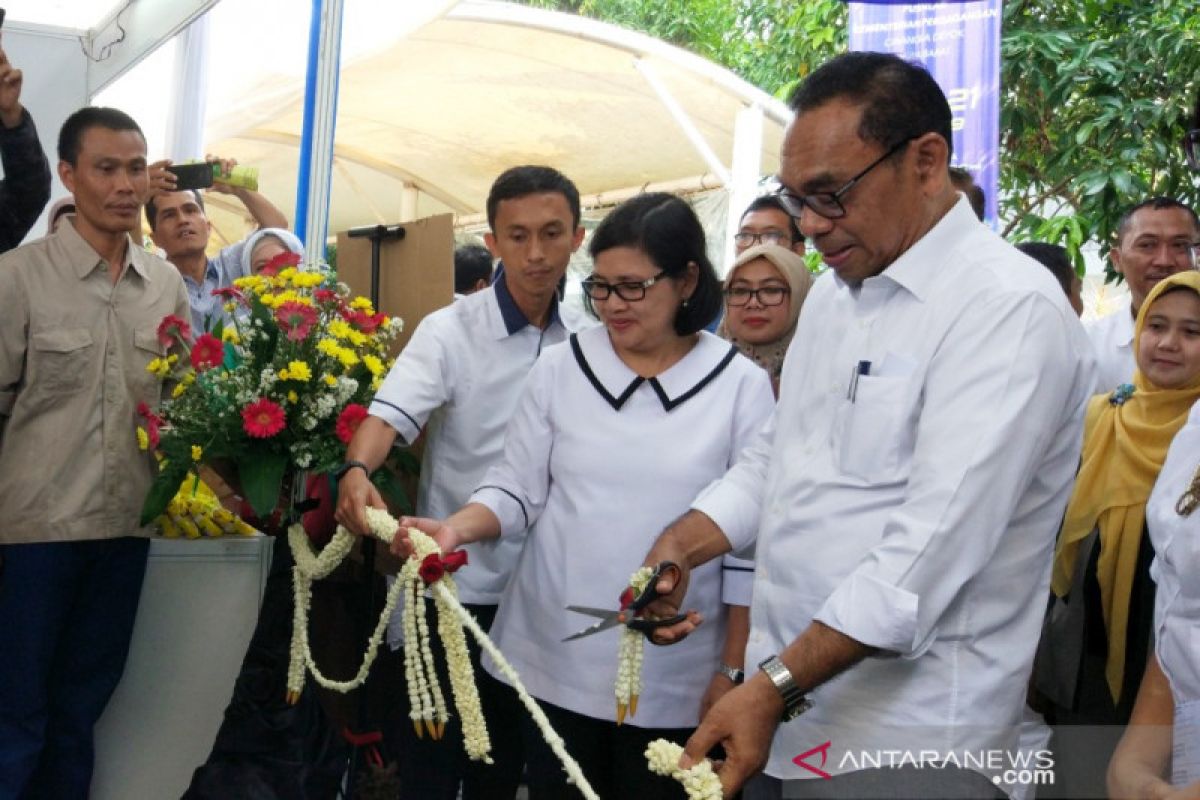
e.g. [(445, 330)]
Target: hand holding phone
[(192, 176)]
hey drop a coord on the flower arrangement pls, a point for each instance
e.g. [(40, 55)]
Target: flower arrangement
[(279, 389), (699, 781), (629, 655)]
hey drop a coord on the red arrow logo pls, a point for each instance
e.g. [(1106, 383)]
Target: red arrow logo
[(823, 749)]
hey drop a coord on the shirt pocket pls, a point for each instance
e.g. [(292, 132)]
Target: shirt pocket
[(146, 348), (872, 432), (63, 359)]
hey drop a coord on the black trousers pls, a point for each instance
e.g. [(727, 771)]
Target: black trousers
[(613, 758)]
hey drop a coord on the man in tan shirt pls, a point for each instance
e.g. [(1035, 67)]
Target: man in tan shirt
[(79, 311)]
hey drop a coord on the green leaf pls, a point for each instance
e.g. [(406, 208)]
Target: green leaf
[(262, 478), (164, 487)]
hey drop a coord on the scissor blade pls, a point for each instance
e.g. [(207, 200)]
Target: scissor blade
[(602, 625)]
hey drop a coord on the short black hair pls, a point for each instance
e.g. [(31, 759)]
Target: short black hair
[(70, 136), (472, 263), (1055, 258), (531, 179), (667, 230), (152, 207), (900, 99), (965, 182), (1155, 204), (772, 202)]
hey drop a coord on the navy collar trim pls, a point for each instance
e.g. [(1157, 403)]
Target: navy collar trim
[(668, 403), (510, 312)]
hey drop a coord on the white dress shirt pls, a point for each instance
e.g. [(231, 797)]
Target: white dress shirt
[(460, 377), (1112, 343), (1175, 569), (598, 461), (914, 508)]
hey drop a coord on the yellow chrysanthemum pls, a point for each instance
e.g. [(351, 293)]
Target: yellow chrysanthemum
[(340, 328), (159, 367), (347, 357), (197, 452), (376, 382), (189, 378), (329, 379), (374, 364), (179, 389), (143, 438), (230, 335), (329, 347), (358, 338), (292, 397), (307, 280), (173, 359), (229, 307), (284, 374), (362, 304), (299, 371), (249, 282)]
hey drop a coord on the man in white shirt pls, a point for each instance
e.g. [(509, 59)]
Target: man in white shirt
[(905, 496), (1155, 239), (459, 379)]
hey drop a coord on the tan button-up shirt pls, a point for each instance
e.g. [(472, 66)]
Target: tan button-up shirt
[(73, 353)]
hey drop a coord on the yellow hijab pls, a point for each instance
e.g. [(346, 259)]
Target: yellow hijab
[(1124, 447)]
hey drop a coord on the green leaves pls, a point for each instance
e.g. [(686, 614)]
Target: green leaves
[(165, 485), (262, 478)]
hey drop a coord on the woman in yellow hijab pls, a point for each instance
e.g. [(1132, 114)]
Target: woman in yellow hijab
[(1102, 564)]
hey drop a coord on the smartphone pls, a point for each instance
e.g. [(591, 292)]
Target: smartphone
[(192, 176)]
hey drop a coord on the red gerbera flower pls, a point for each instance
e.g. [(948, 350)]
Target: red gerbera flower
[(325, 295), (367, 323), (296, 319), (348, 422), (208, 352), (262, 419), (153, 421), (228, 293), (280, 262), (173, 329)]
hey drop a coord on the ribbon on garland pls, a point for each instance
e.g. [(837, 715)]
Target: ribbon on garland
[(434, 565)]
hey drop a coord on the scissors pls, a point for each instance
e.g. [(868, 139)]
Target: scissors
[(633, 607)]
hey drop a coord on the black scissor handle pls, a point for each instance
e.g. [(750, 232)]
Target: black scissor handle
[(647, 627), (651, 593)]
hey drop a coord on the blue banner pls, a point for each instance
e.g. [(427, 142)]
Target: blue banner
[(958, 41)]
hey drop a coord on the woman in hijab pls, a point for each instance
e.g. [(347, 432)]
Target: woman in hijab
[(764, 291), (1096, 642), (266, 243)]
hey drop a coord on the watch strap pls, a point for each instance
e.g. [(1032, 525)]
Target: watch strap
[(349, 465), (733, 673), (795, 702)]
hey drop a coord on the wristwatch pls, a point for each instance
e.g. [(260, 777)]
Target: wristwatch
[(341, 471), (733, 673), (795, 702)]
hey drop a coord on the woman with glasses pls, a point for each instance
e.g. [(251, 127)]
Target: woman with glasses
[(617, 430)]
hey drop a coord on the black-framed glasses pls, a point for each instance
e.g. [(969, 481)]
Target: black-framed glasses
[(829, 204), (748, 239), (766, 295), (629, 291), (1191, 147)]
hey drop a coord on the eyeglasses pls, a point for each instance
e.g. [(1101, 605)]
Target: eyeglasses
[(1191, 147), (829, 204), (629, 291), (746, 238), (765, 295)]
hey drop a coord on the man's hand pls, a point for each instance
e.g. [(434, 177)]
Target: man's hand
[(673, 590), (743, 722), (161, 179), (355, 493), (227, 165), (718, 687), (11, 80)]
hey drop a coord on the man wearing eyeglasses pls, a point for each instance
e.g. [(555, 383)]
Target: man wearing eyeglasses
[(905, 497), (766, 221), (1155, 239)]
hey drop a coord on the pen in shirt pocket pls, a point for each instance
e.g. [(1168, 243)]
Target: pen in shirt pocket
[(860, 369)]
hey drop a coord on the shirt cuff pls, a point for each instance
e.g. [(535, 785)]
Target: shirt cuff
[(398, 418), (875, 613), (737, 581), (733, 510), (507, 507)]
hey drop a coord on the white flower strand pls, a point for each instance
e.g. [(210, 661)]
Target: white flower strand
[(414, 675), (628, 685), (435, 715), (699, 781), (462, 675)]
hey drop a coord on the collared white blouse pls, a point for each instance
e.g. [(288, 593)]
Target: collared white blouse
[(908, 493), (598, 461)]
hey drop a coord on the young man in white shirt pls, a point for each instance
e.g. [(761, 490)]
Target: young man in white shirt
[(905, 497), (1155, 239), (459, 379)]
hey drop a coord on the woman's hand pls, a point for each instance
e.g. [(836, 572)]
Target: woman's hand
[(443, 534)]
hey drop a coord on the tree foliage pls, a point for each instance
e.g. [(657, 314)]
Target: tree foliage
[(1095, 92)]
